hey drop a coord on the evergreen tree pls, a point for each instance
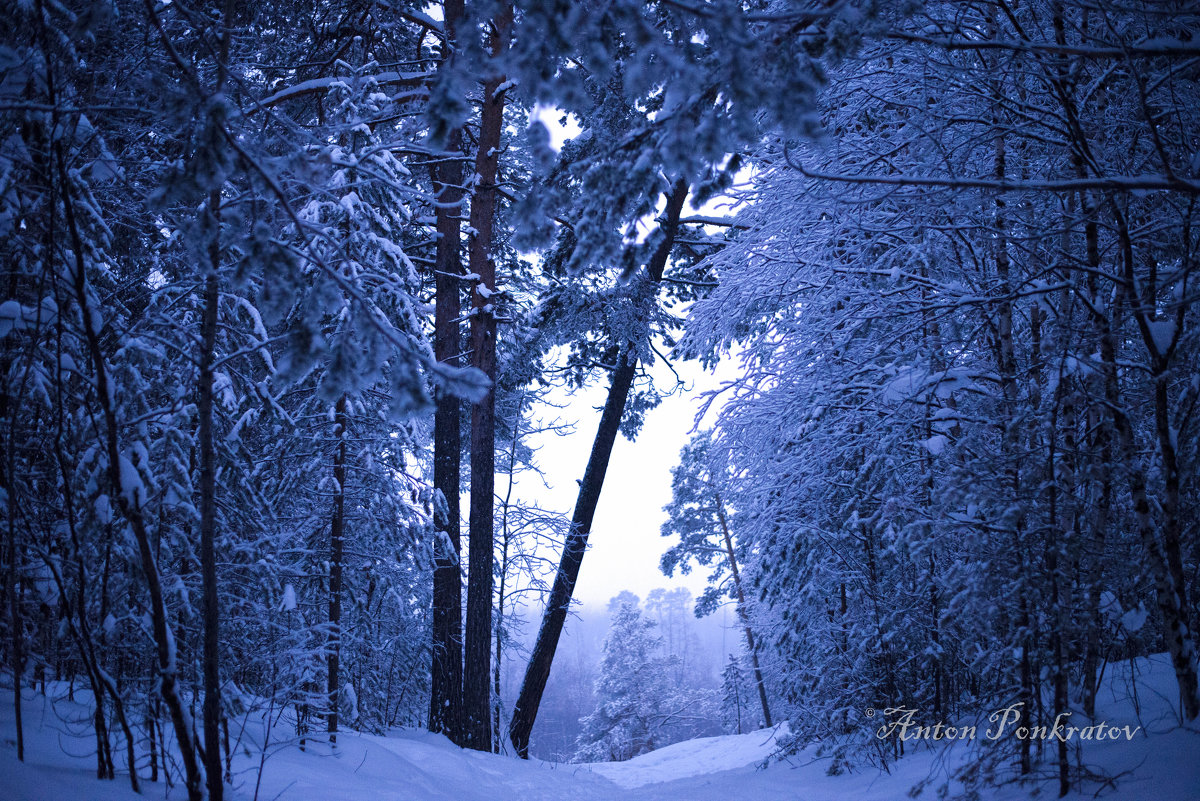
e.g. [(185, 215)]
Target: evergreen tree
[(633, 693), (641, 702), (737, 697)]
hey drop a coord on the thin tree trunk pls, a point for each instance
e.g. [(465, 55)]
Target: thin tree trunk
[(931, 343), (8, 469), (208, 516), (102, 685), (445, 698), (14, 604), (499, 646), (743, 612), (1165, 556), (228, 775), (152, 739), (208, 471), (337, 532), (124, 488), (1058, 468), (477, 655), (1006, 352), (502, 591), (538, 671), (1101, 443)]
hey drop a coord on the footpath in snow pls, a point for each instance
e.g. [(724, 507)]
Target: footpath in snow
[(407, 765)]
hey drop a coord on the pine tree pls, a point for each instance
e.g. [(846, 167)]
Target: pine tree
[(736, 696), (698, 515), (633, 692)]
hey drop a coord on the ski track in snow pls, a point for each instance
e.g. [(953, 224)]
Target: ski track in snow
[(411, 765)]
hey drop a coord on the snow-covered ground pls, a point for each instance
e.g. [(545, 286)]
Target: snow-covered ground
[(1163, 763)]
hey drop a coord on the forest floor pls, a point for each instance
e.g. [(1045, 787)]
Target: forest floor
[(1161, 763)]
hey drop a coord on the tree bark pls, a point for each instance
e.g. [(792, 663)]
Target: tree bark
[(445, 697), (1100, 426), (477, 657), (538, 670)]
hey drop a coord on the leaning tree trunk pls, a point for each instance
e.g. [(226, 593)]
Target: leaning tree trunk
[(538, 671), (477, 657), (102, 684), (129, 503), (445, 697), (502, 572)]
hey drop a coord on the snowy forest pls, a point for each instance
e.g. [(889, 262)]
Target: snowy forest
[(294, 291)]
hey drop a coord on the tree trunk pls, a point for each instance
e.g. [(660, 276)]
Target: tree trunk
[(477, 657), (1181, 643), (151, 730), (1165, 556), (8, 488), (445, 698), (538, 670), (337, 532), (129, 504), (1060, 513), (208, 473), (208, 517), (1007, 362), (743, 613), (14, 604), (102, 685), (1102, 437)]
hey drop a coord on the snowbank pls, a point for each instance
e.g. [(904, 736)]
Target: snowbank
[(699, 757), (1161, 764)]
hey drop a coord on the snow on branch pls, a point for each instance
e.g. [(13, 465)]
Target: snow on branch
[(322, 85), (1118, 183)]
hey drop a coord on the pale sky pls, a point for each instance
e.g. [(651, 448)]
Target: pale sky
[(626, 543)]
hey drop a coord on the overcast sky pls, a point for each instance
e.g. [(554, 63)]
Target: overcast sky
[(626, 543)]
